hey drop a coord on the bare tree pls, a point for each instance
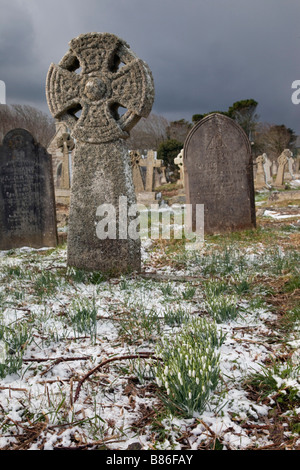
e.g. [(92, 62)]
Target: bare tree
[(148, 133), (38, 123), (273, 139)]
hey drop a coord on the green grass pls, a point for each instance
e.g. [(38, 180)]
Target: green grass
[(83, 318), (175, 316), (275, 380)]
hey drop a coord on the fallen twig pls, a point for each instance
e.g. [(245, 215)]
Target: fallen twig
[(108, 361)]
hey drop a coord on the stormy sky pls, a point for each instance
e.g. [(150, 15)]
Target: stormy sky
[(204, 54)]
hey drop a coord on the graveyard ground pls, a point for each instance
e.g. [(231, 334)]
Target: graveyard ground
[(200, 351)]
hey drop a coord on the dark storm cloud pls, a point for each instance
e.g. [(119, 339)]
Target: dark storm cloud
[(204, 54)]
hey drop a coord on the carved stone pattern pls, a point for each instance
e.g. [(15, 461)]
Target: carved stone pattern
[(100, 88)]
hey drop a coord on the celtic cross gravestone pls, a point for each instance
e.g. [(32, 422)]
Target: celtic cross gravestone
[(97, 78)]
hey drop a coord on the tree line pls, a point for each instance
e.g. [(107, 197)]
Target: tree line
[(38, 123), (157, 133)]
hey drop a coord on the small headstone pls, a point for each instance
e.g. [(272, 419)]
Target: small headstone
[(282, 162), (102, 175), (219, 175), (260, 179), (136, 158), (27, 204), (149, 196), (66, 144), (151, 162)]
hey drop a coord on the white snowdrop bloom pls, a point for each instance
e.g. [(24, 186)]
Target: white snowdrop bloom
[(197, 381), (190, 396), (166, 371), (147, 368), (159, 382), (194, 373)]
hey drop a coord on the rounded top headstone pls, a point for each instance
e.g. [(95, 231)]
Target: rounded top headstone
[(219, 174), (17, 138)]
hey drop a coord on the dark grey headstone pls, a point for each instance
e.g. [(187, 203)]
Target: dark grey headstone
[(219, 175), (27, 203)]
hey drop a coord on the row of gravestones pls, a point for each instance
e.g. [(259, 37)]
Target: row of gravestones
[(146, 177), (216, 157), (268, 174)]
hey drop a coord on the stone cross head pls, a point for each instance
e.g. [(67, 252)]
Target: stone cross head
[(65, 142), (179, 160), (87, 88)]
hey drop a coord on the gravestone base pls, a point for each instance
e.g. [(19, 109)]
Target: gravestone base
[(284, 196)]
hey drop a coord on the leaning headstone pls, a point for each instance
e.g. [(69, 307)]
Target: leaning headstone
[(102, 177), (260, 179), (282, 162), (27, 204), (219, 175)]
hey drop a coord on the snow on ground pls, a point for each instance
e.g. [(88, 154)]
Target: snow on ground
[(112, 407)]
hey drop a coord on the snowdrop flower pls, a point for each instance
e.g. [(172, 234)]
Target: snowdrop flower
[(159, 382)]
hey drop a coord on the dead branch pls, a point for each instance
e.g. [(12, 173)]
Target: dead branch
[(108, 361)]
